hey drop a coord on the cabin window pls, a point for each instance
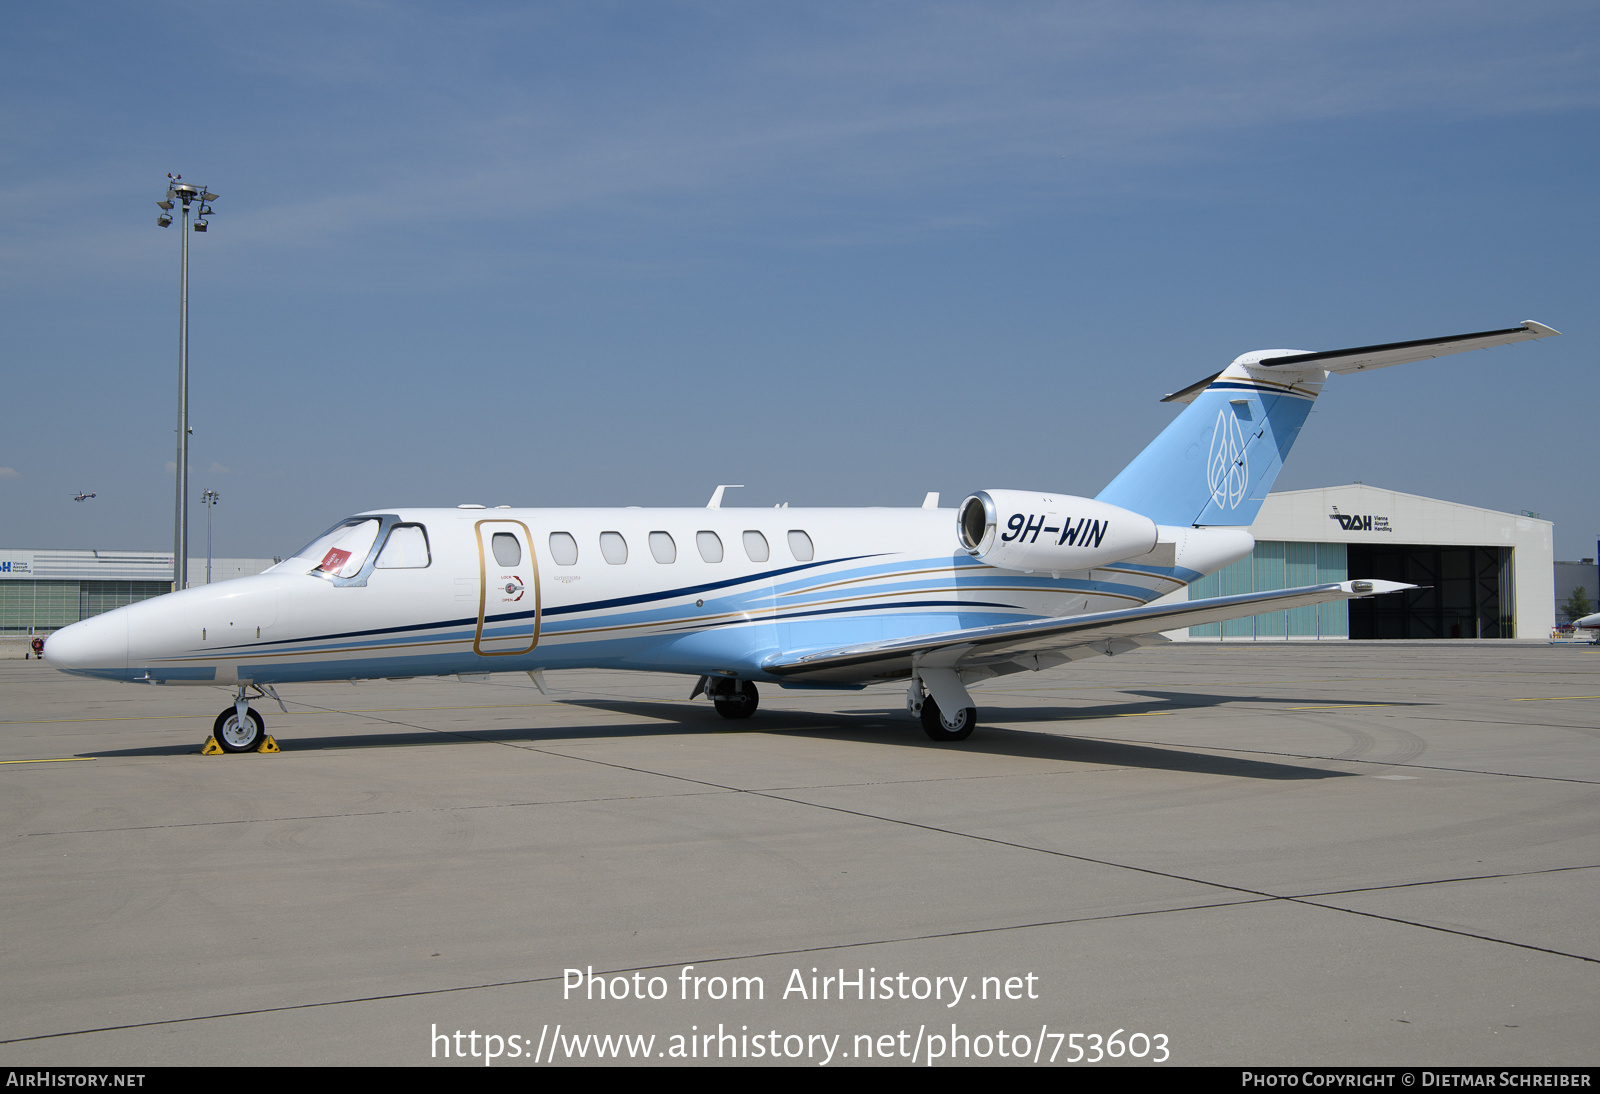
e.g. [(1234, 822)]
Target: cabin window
[(800, 546), (343, 551), (662, 548), (710, 545), (755, 545), (613, 548), (507, 551), (405, 549), (563, 548)]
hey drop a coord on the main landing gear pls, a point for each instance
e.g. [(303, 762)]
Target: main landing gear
[(738, 699), (947, 729), (733, 698), (239, 728), (939, 726)]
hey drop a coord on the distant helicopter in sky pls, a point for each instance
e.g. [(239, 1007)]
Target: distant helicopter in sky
[(82, 497)]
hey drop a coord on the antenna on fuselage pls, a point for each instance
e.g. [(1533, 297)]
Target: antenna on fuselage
[(716, 498)]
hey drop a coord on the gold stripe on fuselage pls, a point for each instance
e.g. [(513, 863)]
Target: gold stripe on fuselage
[(753, 615)]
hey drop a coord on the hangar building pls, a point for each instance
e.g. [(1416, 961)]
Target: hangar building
[(1484, 574), (42, 591)]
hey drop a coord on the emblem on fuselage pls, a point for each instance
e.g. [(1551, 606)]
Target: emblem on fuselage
[(1227, 468)]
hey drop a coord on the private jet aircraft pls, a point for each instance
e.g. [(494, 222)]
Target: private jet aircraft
[(935, 599)]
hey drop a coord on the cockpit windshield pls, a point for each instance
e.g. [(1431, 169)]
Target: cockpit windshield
[(343, 551)]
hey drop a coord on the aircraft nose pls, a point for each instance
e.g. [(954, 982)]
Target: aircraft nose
[(91, 647)]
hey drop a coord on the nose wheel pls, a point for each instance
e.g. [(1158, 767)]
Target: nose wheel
[(234, 733), (239, 728)]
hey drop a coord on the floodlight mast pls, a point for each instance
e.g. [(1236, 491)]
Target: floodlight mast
[(184, 192), (209, 499)]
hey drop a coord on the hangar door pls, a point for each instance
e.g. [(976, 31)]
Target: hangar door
[(1468, 592)]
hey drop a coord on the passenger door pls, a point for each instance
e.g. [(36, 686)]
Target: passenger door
[(508, 589)]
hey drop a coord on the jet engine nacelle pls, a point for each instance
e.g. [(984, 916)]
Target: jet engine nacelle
[(1019, 530)]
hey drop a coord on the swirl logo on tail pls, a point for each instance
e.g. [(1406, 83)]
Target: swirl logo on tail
[(1227, 469)]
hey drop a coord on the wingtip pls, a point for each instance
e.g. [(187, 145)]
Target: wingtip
[(1375, 587), (1539, 329)]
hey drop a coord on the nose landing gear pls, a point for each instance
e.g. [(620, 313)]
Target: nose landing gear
[(240, 729), (238, 734)]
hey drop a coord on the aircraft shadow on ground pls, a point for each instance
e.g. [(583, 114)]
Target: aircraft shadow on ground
[(882, 726), (893, 726)]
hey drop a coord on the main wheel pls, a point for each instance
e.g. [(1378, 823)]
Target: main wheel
[(947, 730), (737, 702), (236, 736)]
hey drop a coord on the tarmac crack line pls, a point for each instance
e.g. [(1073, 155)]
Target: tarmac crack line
[(1445, 881), (1447, 930)]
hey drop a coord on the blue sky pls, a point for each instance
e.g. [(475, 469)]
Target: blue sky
[(616, 254)]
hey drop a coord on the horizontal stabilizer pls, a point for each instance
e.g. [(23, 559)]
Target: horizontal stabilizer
[(1362, 358), (1186, 395), (1022, 643), (1216, 461)]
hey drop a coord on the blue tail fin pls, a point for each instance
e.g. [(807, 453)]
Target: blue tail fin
[(1218, 459), (1215, 463)]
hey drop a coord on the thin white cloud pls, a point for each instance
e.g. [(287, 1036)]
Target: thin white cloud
[(10, 473), (407, 115)]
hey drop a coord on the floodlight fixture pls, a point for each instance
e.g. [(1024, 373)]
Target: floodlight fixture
[(199, 225), (165, 204), (164, 220)]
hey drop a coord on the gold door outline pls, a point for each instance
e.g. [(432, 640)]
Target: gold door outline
[(483, 589)]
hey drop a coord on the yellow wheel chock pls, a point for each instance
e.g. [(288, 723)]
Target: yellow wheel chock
[(214, 749)]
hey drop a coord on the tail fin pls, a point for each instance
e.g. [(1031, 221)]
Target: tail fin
[(1218, 459), (1215, 463)]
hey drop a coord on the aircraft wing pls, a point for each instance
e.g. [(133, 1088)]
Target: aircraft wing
[(1040, 643), (1361, 358)]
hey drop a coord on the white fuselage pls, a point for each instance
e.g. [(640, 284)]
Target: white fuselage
[(496, 590)]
